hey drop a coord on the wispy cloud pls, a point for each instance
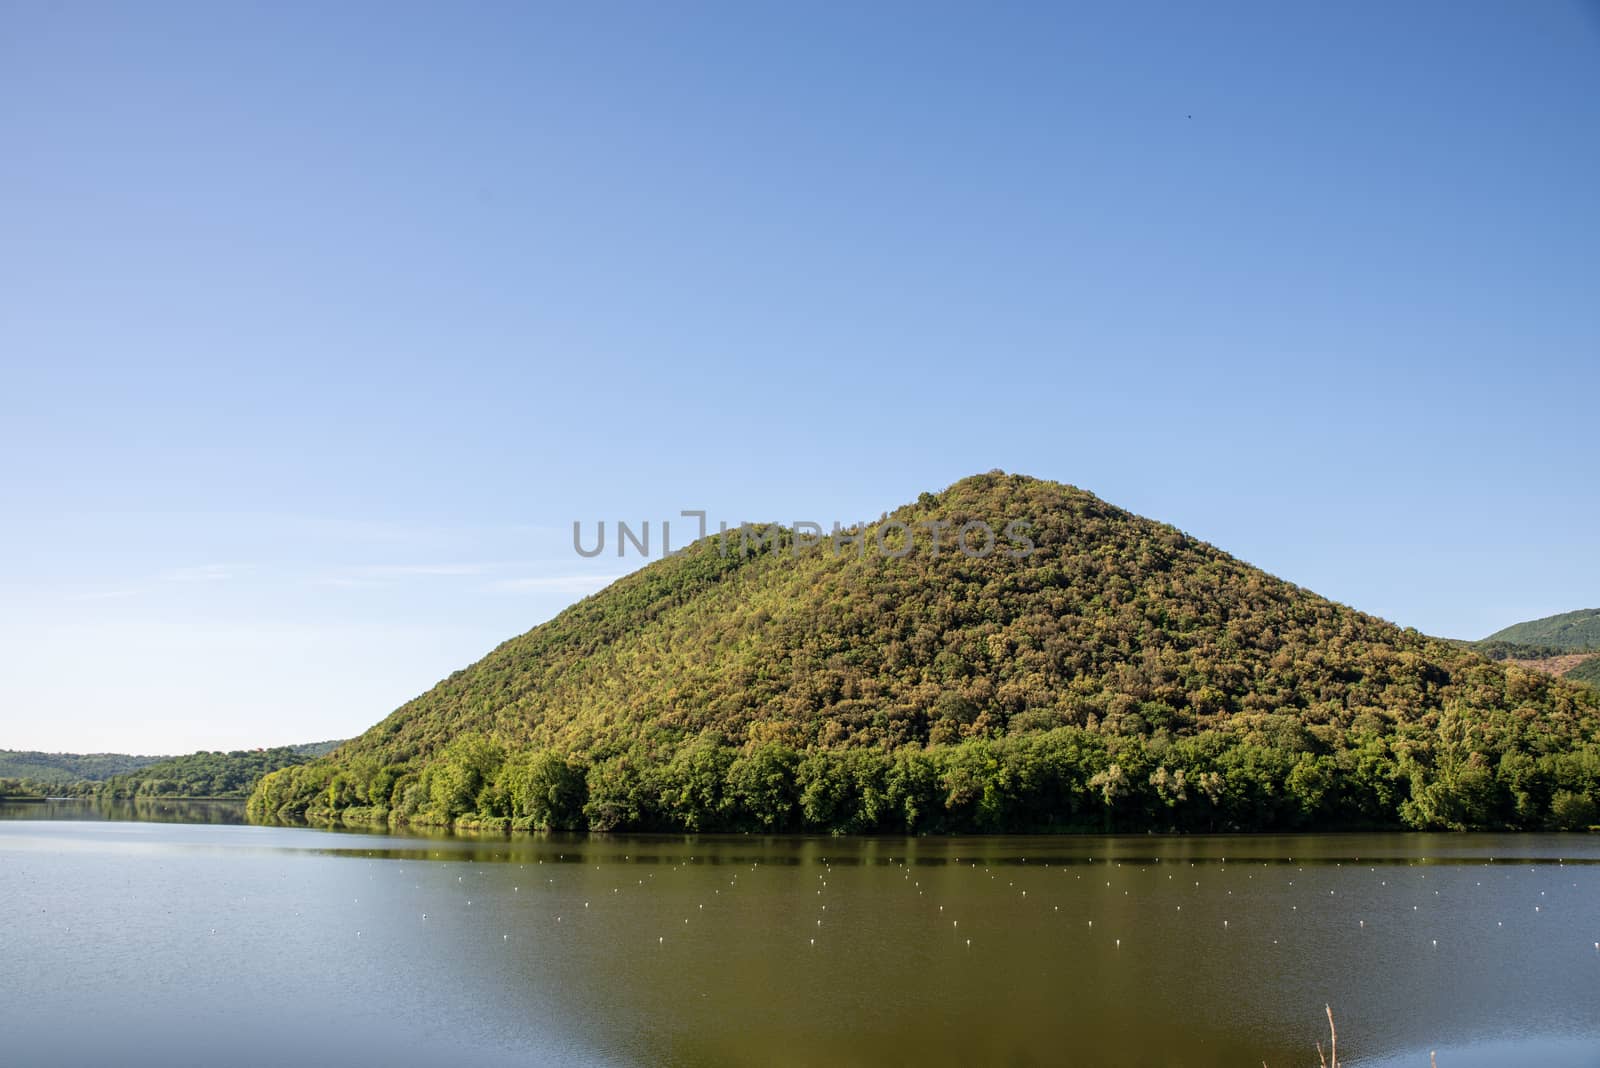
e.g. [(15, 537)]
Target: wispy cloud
[(407, 570), (419, 537), (204, 573), (389, 574), (554, 584), (343, 582)]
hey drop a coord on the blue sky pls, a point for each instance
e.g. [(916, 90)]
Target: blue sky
[(318, 328)]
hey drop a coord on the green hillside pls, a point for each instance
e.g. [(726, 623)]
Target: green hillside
[(63, 768), (1123, 675), (1587, 672), (1569, 632), (210, 774)]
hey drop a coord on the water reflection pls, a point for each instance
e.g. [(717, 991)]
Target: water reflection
[(736, 950), (143, 810)]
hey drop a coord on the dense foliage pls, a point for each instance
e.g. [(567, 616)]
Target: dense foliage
[(1573, 663), (1125, 675), (1587, 672), (65, 768), (209, 774), (1569, 632), (1496, 649), (22, 789)]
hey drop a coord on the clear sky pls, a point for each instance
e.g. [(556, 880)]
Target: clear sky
[(320, 324)]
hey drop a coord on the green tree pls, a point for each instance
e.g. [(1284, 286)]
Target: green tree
[(764, 788)]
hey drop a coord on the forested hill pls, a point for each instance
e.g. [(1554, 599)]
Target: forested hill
[(1567, 645), (1572, 632), (210, 774), (1123, 675), (62, 768)]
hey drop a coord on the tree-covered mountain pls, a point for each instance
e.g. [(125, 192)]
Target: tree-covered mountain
[(210, 774), (1570, 632), (1121, 675), (1567, 645), (65, 768)]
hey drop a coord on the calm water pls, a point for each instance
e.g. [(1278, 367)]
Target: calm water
[(147, 943)]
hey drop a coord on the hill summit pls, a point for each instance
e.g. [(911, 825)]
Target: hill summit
[(1117, 674)]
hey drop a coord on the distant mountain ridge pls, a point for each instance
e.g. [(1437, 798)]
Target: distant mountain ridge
[(1565, 645), (39, 769), (1570, 631), (69, 767), (210, 774)]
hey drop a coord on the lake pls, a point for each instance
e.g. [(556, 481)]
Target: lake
[(138, 942)]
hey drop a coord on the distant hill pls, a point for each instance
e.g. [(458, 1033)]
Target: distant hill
[(31, 773), (210, 774), (1567, 646), (1569, 632), (1121, 675), (1502, 650), (1587, 672), (63, 768)]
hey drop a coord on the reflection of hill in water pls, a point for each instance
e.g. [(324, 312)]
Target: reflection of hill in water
[(149, 810), (625, 950), (788, 951)]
